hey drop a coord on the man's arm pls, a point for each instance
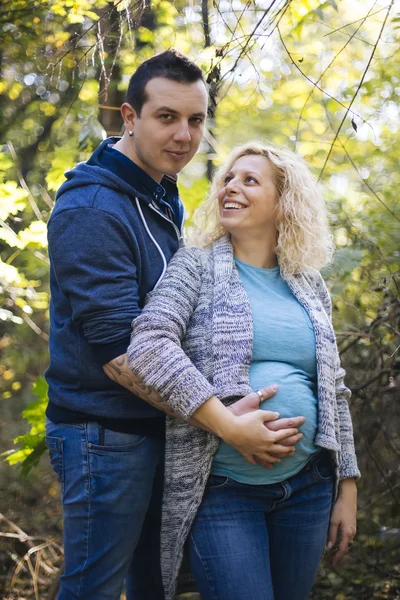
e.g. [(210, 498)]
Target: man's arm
[(92, 271), (119, 371), (245, 432)]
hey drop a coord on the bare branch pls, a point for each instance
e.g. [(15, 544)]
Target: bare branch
[(348, 109), (371, 189), (351, 37), (313, 82)]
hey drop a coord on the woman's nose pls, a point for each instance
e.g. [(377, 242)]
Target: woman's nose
[(231, 186)]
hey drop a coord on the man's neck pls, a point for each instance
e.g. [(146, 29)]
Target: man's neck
[(126, 148)]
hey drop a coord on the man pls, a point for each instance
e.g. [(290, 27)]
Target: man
[(116, 224)]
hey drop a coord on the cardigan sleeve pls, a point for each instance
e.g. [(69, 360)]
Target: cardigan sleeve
[(155, 353), (348, 460)]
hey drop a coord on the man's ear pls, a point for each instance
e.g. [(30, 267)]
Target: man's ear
[(129, 116)]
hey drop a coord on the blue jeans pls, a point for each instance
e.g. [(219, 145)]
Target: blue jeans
[(111, 489), (262, 542)]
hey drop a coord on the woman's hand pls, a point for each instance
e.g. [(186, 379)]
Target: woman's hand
[(251, 403), (251, 431), (343, 524), (247, 432)]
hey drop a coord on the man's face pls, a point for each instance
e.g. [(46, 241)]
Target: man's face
[(169, 130)]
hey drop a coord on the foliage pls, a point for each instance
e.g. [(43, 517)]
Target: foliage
[(32, 444), (318, 76)]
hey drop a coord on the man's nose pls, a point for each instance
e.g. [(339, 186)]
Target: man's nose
[(182, 134)]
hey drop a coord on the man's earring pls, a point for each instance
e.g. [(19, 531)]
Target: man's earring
[(130, 133)]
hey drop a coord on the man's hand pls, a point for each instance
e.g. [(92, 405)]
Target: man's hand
[(251, 402), (250, 432), (245, 432)]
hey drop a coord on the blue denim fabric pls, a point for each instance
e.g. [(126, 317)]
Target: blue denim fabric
[(262, 542), (111, 488)]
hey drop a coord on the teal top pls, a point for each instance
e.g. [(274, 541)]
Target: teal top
[(283, 353)]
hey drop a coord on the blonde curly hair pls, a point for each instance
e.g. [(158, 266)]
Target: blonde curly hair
[(304, 236)]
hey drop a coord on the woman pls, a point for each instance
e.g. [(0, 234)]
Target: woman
[(251, 307)]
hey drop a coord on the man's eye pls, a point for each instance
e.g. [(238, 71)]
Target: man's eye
[(197, 120), (166, 117)]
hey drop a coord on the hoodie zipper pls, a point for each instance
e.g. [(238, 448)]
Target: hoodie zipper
[(178, 233), (157, 245)]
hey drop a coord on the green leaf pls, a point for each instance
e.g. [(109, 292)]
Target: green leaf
[(12, 199), (31, 444), (34, 457), (40, 388)]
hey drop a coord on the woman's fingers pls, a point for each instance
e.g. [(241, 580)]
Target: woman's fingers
[(266, 392), (340, 540), (332, 534), (268, 415), (342, 549), (252, 401)]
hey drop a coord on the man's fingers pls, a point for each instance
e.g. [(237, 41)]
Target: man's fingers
[(266, 458), (284, 433), (264, 462), (292, 440), (286, 423), (282, 451), (250, 458)]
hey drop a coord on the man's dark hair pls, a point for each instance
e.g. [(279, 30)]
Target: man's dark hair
[(170, 65)]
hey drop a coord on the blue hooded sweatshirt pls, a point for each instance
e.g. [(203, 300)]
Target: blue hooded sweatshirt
[(109, 245)]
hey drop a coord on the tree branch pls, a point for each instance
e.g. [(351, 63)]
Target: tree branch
[(348, 109)]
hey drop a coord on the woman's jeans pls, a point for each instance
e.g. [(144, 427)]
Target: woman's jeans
[(262, 542), (111, 488)]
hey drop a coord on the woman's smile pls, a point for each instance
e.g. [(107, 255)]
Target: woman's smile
[(248, 200)]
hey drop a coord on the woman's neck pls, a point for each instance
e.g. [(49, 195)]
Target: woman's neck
[(258, 252)]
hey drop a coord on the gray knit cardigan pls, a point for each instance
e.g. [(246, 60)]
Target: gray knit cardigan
[(194, 339)]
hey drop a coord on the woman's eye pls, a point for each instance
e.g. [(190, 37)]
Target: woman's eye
[(227, 179), (253, 179)]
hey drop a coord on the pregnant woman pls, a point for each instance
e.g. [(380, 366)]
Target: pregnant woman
[(247, 307)]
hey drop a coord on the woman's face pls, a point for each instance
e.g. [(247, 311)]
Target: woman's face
[(248, 201)]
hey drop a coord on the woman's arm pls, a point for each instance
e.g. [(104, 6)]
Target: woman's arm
[(343, 521), (118, 370), (348, 460), (156, 358)]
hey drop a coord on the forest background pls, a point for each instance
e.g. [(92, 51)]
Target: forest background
[(321, 77)]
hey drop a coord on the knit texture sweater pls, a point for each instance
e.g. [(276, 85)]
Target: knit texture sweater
[(193, 340)]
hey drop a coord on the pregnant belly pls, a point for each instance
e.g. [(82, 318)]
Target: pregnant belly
[(296, 396)]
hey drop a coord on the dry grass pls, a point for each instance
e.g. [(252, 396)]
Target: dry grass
[(34, 562)]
